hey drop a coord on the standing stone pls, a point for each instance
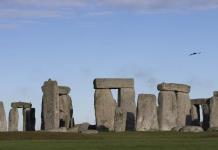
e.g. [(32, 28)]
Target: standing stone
[(183, 109), (167, 111), (3, 122), (214, 112), (126, 100), (195, 115), (147, 113), (13, 120), (65, 110), (29, 118), (50, 105), (120, 120), (206, 116), (105, 106)]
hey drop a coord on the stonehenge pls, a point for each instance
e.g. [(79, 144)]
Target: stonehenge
[(29, 120), (174, 106), (57, 109), (171, 110), (105, 106)]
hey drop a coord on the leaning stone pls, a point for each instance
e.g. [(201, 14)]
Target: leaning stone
[(214, 112), (195, 129), (126, 101), (167, 110), (13, 120), (3, 122), (90, 132), (50, 105), (64, 90), (174, 87), (120, 120), (107, 83), (183, 109), (147, 113), (105, 106), (65, 114), (195, 115), (83, 126), (73, 130)]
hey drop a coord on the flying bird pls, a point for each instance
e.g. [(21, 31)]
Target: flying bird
[(195, 53)]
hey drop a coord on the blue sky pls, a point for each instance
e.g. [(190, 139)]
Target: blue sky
[(74, 42)]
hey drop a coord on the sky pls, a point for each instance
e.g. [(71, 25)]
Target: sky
[(76, 41)]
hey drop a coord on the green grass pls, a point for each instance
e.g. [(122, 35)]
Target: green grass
[(109, 141)]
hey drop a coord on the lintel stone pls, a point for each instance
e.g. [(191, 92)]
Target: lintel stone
[(200, 101), (174, 87), (21, 105), (113, 83)]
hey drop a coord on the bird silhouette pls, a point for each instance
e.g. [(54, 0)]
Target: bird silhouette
[(195, 53)]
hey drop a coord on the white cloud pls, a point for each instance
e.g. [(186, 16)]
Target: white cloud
[(7, 26)]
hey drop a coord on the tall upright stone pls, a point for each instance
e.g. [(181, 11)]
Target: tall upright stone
[(126, 101), (183, 109), (3, 122), (206, 116), (50, 105), (167, 110), (120, 120), (195, 115), (13, 120), (66, 113), (105, 106), (214, 112), (29, 119), (147, 113)]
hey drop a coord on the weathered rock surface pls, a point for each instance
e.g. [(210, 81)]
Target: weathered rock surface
[(200, 101), (83, 126), (120, 120), (215, 93), (167, 110), (66, 111), (214, 112), (206, 116), (107, 83), (195, 129), (13, 120), (50, 105), (73, 130), (195, 115), (147, 113), (176, 129), (60, 130), (21, 105), (126, 101), (29, 119), (174, 87), (90, 132), (105, 106), (183, 109), (3, 122), (63, 90)]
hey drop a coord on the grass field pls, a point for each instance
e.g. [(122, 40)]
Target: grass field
[(109, 141)]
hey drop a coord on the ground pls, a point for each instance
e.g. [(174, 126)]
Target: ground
[(109, 141)]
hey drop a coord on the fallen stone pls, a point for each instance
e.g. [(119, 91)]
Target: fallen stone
[(50, 105), (176, 129), (83, 126), (195, 115), (73, 130), (21, 105), (167, 110), (195, 129), (126, 101), (105, 106), (3, 122), (90, 132), (147, 113), (174, 87), (65, 107), (107, 83), (63, 90), (214, 112), (120, 120), (59, 130), (183, 109), (13, 120)]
